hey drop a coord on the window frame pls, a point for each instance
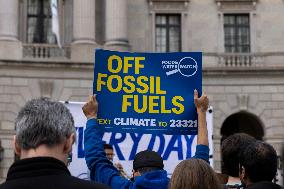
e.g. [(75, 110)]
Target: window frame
[(66, 21), (41, 26), (167, 26), (237, 26)]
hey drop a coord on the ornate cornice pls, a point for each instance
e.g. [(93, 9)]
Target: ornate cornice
[(162, 5), (236, 4)]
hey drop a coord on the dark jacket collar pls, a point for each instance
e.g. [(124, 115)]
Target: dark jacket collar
[(264, 185), (37, 166)]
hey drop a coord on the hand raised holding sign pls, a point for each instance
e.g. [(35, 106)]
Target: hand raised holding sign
[(201, 103), (90, 109)]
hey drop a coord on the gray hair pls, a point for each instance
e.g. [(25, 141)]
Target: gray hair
[(42, 121)]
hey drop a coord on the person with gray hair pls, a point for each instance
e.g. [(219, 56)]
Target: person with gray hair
[(44, 137)]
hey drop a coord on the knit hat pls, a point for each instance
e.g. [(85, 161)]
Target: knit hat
[(147, 158)]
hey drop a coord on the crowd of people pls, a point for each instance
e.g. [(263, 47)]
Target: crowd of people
[(45, 134)]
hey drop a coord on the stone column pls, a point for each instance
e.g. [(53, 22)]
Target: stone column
[(116, 25), (9, 20), (10, 47), (83, 31), (84, 21)]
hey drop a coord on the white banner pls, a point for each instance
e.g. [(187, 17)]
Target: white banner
[(173, 148)]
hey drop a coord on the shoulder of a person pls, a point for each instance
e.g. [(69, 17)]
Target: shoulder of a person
[(86, 184), (99, 186), (264, 185), (225, 186)]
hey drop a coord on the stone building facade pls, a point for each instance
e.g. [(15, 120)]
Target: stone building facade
[(241, 40)]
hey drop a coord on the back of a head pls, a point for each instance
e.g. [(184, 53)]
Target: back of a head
[(194, 174), (147, 160), (108, 146), (259, 160), (42, 121), (231, 148)]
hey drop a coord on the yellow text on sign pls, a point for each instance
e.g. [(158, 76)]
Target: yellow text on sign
[(116, 64), (152, 104), (130, 84), (120, 79)]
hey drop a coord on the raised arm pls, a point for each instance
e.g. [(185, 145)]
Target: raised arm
[(101, 169), (202, 149), (90, 109), (201, 105)]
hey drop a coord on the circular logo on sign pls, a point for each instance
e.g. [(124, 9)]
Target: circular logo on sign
[(187, 66)]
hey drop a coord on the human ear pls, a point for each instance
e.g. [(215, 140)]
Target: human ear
[(68, 143), (136, 173), (17, 147), (242, 173)]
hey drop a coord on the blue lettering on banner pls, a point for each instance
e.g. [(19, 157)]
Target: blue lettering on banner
[(80, 137), (175, 144), (136, 138), (171, 147), (189, 141), (114, 142), (152, 142)]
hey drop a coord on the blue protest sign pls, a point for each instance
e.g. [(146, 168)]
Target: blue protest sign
[(147, 92)]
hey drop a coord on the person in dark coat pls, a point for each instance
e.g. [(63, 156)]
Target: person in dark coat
[(231, 148), (258, 166), (44, 136)]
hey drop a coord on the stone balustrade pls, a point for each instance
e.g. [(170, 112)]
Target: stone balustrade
[(45, 52), (240, 59)]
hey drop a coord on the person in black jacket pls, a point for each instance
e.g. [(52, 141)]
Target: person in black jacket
[(258, 166), (231, 148), (44, 136)]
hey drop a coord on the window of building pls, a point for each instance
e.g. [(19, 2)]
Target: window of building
[(237, 33), (168, 33), (39, 22)]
